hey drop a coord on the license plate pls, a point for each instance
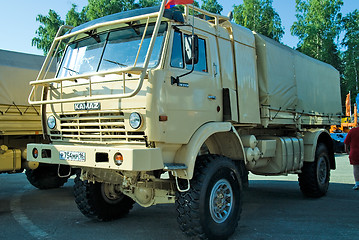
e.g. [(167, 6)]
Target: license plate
[(73, 156)]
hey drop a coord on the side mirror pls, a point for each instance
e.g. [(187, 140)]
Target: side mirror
[(191, 48)]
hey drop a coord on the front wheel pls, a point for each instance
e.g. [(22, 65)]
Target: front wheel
[(211, 208), (314, 179), (45, 177), (101, 201)]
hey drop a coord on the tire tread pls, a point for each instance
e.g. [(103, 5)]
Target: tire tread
[(188, 203), (91, 204), (308, 178), (45, 177)]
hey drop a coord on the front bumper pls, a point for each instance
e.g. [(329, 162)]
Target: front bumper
[(135, 158)]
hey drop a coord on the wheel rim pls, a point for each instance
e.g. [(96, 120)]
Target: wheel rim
[(221, 201), (109, 194), (322, 170)]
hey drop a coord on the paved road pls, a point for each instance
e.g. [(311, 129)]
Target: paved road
[(274, 208)]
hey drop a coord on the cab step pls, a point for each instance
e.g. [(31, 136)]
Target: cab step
[(175, 166)]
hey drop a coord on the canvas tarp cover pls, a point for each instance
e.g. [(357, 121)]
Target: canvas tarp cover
[(16, 71), (290, 80)]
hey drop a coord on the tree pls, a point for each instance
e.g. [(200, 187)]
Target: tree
[(318, 27), (259, 16), (351, 54), (148, 3), (74, 18), (100, 8), (47, 30), (212, 6)]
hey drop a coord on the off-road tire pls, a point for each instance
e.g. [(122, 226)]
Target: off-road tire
[(196, 217), (93, 203), (243, 173), (315, 176), (45, 177)]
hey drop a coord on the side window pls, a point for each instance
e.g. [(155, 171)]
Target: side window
[(177, 53), (177, 57), (201, 66)]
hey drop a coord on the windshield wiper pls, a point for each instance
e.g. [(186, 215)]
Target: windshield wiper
[(71, 70), (117, 63)]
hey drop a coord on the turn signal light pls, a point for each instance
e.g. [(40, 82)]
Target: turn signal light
[(118, 159), (35, 153), (163, 118)]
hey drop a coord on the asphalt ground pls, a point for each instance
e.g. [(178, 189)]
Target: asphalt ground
[(273, 208)]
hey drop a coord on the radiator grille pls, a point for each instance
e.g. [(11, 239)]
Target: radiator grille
[(95, 127)]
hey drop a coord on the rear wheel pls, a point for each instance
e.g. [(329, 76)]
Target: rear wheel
[(101, 201), (45, 177), (211, 208), (315, 176)]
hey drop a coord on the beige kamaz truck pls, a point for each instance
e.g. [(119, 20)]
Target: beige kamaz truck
[(156, 106), (20, 122)]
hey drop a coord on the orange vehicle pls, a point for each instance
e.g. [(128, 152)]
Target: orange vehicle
[(339, 132)]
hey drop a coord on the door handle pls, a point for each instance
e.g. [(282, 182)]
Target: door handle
[(215, 69)]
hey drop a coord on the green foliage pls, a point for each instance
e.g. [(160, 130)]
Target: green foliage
[(100, 8), (148, 3), (74, 18), (259, 16), (318, 27), (212, 6), (46, 33), (351, 54)]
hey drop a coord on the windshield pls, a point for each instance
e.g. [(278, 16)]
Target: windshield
[(111, 50)]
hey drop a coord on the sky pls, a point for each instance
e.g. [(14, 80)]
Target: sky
[(18, 19)]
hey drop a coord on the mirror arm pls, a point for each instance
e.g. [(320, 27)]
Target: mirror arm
[(175, 80)]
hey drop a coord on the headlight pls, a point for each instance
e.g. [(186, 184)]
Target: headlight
[(51, 122), (135, 120)]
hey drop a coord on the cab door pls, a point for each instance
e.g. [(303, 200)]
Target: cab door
[(195, 98)]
